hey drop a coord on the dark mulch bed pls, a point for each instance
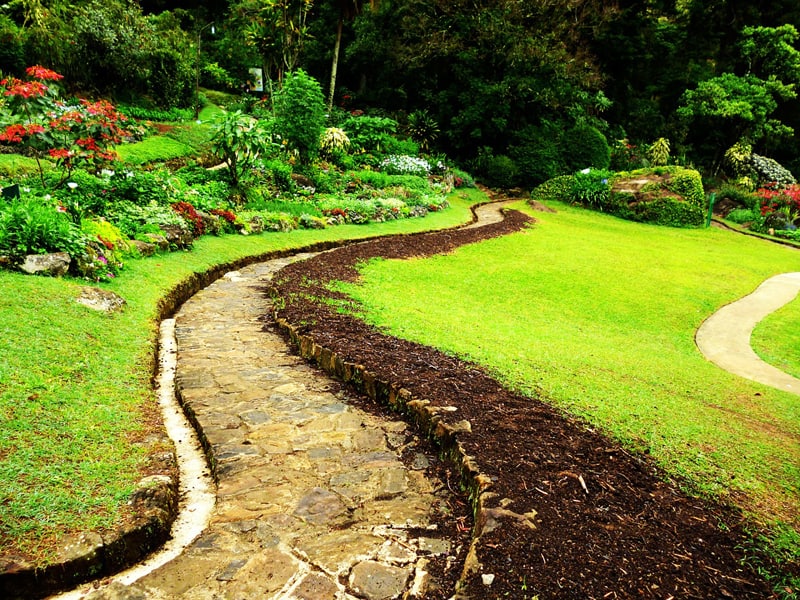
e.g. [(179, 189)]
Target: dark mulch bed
[(609, 524)]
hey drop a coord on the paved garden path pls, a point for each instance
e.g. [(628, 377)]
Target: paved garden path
[(313, 501), (724, 338)]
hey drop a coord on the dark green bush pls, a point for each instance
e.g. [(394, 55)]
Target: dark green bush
[(12, 48), (498, 171), (537, 154), (584, 146)]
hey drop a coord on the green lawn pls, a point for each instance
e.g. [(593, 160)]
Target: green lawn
[(74, 384), (597, 315), (776, 339)]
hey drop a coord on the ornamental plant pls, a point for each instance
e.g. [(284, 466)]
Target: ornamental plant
[(405, 165), (79, 134)]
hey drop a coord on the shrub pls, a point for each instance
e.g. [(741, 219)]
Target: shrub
[(558, 188), (674, 197), (300, 114), (584, 146), (281, 174), (537, 154), (239, 140), (133, 219), (496, 171), (370, 134), (462, 179), (768, 170), (30, 225), (333, 141), (591, 188), (423, 129), (162, 115), (742, 215), (658, 152), (738, 195)]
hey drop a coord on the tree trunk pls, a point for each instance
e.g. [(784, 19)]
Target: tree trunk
[(335, 65)]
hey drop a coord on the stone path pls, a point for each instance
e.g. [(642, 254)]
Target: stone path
[(313, 500), (724, 338)]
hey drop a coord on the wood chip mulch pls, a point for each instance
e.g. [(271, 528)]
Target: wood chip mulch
[(609, 523)]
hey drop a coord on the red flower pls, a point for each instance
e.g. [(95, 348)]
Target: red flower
[(59, 153), (35, 128), (26, 89), (39, 72), (13, 134)]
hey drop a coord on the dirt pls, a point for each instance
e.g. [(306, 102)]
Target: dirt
[(609, 523)]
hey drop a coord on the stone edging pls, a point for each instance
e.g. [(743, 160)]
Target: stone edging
[(429, 421), (90, 555)]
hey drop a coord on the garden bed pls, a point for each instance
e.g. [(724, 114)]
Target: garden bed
[(608, 524)]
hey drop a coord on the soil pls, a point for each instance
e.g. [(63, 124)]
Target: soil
[(609, 523)]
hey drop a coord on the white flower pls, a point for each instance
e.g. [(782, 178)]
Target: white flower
[(586, 171), (72, 185)]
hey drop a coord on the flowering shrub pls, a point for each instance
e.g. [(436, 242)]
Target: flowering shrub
[(405, 165), (190, 214), (780, 208), (768, 170), (72, 134)]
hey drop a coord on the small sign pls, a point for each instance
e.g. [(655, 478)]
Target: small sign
[(256, 81), (10, 192)]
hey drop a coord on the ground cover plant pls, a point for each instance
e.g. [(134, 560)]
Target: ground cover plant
[(75, 384), (597, 316)]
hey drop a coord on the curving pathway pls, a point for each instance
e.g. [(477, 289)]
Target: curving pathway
[(314, 499), (724, 338)]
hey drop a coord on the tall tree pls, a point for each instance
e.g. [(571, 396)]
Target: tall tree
[(348, 10)]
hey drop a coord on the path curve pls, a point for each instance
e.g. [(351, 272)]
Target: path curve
[(365, 526), (724, 338)]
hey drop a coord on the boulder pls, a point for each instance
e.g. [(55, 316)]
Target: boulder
[(55, 264), (99, 299), (147, 249), (158, 240), (177, 236)]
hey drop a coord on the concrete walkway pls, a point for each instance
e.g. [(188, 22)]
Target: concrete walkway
[(313, 500), (724, 338)]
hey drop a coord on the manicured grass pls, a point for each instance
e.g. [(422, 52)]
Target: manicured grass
[(597, 316), (776, 339), (15, 166), (153, 148), (75, 384)]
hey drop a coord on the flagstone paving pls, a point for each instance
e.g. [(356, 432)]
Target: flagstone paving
[(313, 499)]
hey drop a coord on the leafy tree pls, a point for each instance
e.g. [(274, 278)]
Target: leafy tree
[(731, 108), (300, 114), (276, 28)]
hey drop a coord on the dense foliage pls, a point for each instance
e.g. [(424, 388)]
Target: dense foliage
[(496, 84)]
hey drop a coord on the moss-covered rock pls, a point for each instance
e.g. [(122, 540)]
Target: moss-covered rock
[(663, 196)]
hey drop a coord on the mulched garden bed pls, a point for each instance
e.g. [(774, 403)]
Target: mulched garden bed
[(609, 524)]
